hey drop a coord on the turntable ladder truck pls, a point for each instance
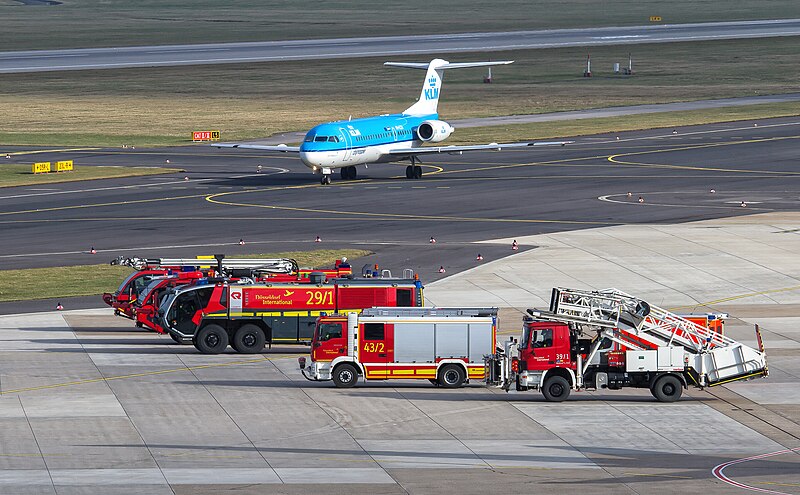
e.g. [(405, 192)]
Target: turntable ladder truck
[(634, 344)]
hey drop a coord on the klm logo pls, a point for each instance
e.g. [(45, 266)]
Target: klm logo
[(432, 93)]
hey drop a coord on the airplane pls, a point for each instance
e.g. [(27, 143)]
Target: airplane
[(387, 138)]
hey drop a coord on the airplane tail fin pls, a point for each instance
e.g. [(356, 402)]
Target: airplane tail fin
[(431, 87)]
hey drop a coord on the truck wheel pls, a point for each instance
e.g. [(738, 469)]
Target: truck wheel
[(249, 339), (667, 389), (211, 339), (345, 376), (451, 376), (556, 389)]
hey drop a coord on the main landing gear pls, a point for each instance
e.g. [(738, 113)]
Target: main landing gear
[(413, 171), (325, 180), (349, 173)]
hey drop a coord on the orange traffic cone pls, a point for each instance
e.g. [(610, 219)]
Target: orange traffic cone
[(432, 241), (441, 269), (93, 250), (318, 239), (514, 245), (743, 205), (59, 307), (641, 199), (479, 257), (241, 242)]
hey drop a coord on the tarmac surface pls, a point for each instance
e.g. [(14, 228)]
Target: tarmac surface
[(91, 405), (270, 51)]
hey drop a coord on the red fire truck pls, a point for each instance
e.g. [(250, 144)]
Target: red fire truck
[(632, 344), (248, 316), (444, 345)]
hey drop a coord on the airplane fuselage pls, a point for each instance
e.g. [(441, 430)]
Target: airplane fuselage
[(360, 141)]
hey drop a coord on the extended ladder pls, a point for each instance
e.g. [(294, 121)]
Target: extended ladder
[(644, 325)]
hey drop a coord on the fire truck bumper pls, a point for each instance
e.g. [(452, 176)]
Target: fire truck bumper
[(317, 372), (526, 380)]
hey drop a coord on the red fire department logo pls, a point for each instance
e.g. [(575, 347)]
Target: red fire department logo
[(236, 295)]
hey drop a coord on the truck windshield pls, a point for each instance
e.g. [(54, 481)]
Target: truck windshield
[(327, 331), (140, 283), (125, 282), (145, 293), (542, 337)]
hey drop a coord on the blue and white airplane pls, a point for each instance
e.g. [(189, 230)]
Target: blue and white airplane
[(387, 138)]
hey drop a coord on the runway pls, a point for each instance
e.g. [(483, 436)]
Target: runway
[(271, 51)]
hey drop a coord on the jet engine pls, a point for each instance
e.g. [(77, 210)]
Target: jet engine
[(434, 131)]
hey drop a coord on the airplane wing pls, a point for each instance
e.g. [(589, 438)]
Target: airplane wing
[(279, 148), (457, 150)]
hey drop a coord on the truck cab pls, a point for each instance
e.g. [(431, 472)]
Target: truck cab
[(128, 291)]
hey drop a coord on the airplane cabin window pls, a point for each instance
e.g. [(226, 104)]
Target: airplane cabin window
[(320, 139)]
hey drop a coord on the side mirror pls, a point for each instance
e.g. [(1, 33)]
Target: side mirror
[(317, 344)]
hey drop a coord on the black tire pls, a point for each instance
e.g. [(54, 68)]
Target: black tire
[(452, 376), (352, 172), (667, 389), (345, 376), (249, 339), (344, 173), (409, 172), (556, 389), (417, 172), (211, 339)]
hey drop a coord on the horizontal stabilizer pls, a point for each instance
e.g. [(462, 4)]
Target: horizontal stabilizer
[(446, 65)]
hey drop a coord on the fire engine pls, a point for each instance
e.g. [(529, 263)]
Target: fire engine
[(443, 345), (148, 269), (145, 308), (634, 344), (248, 316)]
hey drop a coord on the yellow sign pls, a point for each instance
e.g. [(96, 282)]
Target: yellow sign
[(41, 167), (205, 136), (65, 166), (655, 18)]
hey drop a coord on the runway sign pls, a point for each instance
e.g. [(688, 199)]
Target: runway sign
[(41, 167), (205, 136), (655, 18), (65, 166)]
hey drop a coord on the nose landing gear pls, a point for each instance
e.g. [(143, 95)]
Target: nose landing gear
[(325, 180)]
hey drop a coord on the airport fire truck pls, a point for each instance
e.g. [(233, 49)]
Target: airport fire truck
[(145, 307), (632, 344), (444, 345), (148, 269), (248, 316)]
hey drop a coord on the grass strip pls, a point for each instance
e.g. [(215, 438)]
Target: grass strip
[(12, 175), (89, 280)]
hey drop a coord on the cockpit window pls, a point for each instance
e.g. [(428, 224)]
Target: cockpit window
[(320, 139), (333, 139), (309, 138)]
